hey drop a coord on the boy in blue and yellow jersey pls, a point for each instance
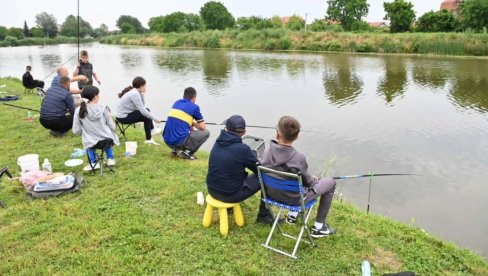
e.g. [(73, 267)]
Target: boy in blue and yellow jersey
[(185, 128)]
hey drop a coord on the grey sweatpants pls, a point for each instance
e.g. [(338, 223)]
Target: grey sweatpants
[(324, 188), (196, 139)]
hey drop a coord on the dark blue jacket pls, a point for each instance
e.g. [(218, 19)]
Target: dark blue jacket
[(56, 103), (227, 163)]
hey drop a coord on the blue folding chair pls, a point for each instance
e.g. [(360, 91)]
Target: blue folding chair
[(289, 182)]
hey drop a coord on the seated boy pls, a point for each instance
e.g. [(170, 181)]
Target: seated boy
[(227, 179), (281, 155)]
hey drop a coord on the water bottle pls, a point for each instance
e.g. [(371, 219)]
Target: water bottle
[(78, 153), (46, 166), (200, 199), (365, 269), (29, 117)]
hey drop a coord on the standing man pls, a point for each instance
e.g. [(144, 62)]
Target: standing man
[(227, 179), (85, 68), (57, 102), (185, 128), (28, 81)]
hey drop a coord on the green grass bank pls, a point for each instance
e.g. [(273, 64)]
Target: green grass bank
[(144, 220), (458, 44), (12, 41)]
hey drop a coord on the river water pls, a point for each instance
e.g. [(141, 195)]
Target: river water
[(373, 113)]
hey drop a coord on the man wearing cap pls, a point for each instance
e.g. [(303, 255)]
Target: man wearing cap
[(185, 128), (227, 179)]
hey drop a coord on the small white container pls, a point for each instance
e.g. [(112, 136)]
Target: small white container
[(131, 147), (46, 166), (29, 162), (200, 199)]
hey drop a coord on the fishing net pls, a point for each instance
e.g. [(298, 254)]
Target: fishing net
[(255, 143)]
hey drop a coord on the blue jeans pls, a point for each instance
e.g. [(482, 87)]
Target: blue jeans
[(93, 158)]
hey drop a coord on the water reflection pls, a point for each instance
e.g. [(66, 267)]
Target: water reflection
[(216, 67), (131, 60), (470, 91), (178, 62), (341, 83), (395, 79), (51, 61), (430, 73)]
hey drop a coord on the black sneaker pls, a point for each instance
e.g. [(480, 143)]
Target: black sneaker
[(324, 231), (56, 133), (187, 155), (175, 153), (291, 219), (268, 219)]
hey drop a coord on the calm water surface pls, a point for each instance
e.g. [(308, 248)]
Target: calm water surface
[(385, 114)]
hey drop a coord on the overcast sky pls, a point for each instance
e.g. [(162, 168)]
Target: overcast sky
[(96, 12)]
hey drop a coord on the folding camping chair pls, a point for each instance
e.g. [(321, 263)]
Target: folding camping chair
[(100, 146), (122, 128), (289, 182)]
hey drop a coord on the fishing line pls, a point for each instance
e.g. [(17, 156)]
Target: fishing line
[(60, 65)]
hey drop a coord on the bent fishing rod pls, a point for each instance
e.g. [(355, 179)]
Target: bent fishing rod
[(252, 126), (18, 106)]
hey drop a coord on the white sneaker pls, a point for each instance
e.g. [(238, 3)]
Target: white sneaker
[(151, 141), (110, 162), (87, 168), (155, 131)]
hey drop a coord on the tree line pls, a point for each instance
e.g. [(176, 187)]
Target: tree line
[(341, 15)]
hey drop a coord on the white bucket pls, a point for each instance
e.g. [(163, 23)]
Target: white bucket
[(131, 148), (29, 162)]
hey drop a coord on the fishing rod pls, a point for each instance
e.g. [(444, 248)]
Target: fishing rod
[(370, 175), (58, 66), (13, 105), (222, 124)]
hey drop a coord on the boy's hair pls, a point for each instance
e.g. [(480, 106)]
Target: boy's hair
[(28, 68), (289, 127), (189, 93), (84, 53)]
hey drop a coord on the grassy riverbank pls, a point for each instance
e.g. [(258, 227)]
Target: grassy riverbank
[(144, 219), (12, 41), (465, 44)]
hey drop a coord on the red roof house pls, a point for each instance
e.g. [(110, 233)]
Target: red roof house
[(451, 5)]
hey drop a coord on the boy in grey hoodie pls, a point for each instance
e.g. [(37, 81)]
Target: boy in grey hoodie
[(94, 123), (282, 156)]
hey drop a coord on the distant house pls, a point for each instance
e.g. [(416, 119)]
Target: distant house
[(379, 24), (286, 19), (451, 5)]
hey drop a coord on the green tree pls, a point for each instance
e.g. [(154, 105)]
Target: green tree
[(70, 27), (175, 22), (26, 31), (474, 14), (3, 32), (276, 22), (253, 22), (401, 15), (295, 23), (127, 28), (216, 16), (36, 32), (100, 31), (440, 21), (132, 21), (347, 11), (48, 24), (15, 32)]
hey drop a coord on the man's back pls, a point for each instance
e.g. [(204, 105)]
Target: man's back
[(56, 103), (180, 120), (27, 80)]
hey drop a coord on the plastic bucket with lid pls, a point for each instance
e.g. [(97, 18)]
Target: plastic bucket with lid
[(29, 162), (131, 148)]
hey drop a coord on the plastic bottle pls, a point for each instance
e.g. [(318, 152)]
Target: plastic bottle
[(365, 269), (29, 117), (46, 166), (200, 199)]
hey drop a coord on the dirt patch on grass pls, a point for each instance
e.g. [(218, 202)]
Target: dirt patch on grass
[(386, 260)]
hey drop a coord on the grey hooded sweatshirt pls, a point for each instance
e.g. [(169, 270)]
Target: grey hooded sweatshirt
[(286, 158), (132, 101), (97, 125)]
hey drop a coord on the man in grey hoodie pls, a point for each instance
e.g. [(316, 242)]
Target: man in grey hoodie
[(281, 155)]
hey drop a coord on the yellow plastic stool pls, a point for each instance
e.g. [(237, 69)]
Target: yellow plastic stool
[(224, 220)]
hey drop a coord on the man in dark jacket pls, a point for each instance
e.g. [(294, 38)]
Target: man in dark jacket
[(28, 81), (227, 179), (57, 102)]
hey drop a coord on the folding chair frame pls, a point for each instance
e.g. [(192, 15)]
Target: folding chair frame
[(122, 128), (2, 172), (100, 158), (301, 209)]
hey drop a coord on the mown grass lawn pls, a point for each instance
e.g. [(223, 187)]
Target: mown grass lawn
[(144, 220)]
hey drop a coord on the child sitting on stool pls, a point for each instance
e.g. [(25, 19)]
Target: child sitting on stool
[(94, 123)]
